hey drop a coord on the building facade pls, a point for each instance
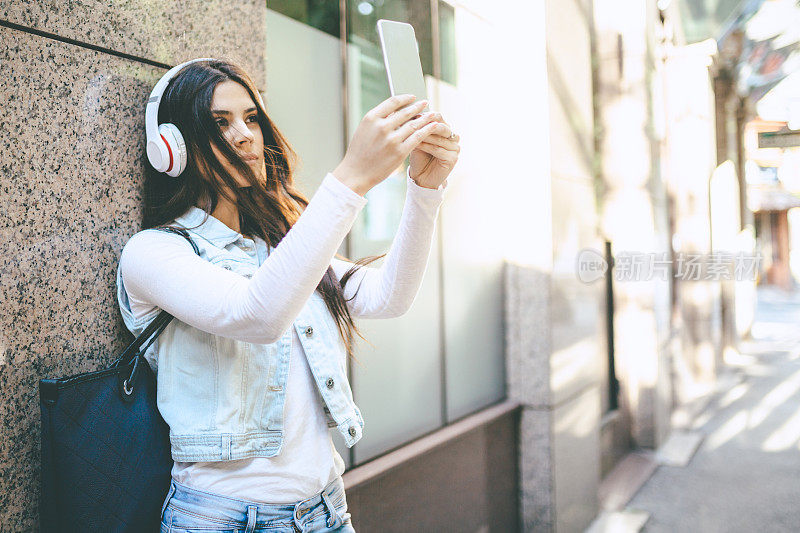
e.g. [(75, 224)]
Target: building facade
[(514, 386)]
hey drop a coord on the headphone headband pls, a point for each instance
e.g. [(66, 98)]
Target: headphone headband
[(166, 149)]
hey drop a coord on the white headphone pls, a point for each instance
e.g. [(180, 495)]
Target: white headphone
[(166, 149)]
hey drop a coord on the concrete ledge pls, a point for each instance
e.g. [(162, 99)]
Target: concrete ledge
[(622, 483), (463, 477), (627, 521), (385, 464)]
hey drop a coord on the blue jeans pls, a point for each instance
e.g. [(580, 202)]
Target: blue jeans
[(188, 510)]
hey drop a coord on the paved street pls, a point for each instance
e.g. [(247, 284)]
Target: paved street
[(745, 475)]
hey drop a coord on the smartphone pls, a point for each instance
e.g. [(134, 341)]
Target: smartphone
[(401, 57)]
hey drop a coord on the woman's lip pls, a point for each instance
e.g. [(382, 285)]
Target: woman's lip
[(250, 157)]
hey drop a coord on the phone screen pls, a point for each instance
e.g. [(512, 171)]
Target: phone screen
[(401, 57)]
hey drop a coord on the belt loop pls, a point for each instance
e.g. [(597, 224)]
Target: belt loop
[(334, 520), (252, 513), (296, 516), (170, 492)]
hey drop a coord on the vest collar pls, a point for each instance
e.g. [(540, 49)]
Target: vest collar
[(210, 228)]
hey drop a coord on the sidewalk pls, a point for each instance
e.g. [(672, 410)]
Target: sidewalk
[(745, 474)]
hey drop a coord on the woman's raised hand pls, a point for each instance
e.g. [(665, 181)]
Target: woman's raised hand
[(385, 137)]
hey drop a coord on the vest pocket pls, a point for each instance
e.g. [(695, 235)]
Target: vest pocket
[(188, 379), (264, 365)]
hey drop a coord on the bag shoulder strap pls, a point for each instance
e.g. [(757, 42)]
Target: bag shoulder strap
[(183, 233), (160, 322)]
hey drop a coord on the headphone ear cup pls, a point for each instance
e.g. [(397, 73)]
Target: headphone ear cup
[(157, 154), (176, 147)]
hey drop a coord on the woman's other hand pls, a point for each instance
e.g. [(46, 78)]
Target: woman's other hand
[(433, 159), (384, 138)]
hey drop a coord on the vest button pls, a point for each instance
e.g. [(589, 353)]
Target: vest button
[(329, 383), (309, 331), (352, 431)]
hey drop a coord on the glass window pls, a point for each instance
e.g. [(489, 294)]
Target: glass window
[(447, 42), (398, 383), (368, 86), (304, 95), (403, 371), (363, 15), (320, 14)]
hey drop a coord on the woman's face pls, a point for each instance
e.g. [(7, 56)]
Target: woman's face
[(236, 114)]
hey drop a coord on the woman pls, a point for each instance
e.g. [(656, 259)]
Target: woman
[(252, 372)]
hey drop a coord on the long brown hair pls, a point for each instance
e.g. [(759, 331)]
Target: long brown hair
[(267, 208)]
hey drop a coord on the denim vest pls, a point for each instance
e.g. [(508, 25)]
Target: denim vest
[(223, 398)]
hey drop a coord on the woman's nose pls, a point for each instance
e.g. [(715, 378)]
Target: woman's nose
[(241, 133)]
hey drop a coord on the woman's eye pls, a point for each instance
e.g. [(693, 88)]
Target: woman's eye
[(254, 118), (221, 122)]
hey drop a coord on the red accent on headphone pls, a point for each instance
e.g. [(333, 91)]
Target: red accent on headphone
[(170, 154)]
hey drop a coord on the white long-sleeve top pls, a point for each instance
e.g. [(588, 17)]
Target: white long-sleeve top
[(159, 270)]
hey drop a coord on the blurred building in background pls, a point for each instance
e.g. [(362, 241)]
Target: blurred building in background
[(594, 259)]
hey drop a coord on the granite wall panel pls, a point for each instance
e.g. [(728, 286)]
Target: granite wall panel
[(72, 130), (528, 334), (537, 471), (165, 31)]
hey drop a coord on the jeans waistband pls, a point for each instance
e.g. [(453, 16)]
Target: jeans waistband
[(232, 510)]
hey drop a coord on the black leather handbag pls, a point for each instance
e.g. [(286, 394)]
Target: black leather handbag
[(105, 448)]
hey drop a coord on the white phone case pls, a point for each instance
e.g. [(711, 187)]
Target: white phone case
[(401, 59)]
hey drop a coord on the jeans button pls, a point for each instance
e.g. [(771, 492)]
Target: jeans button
[(309, 331), (352, 431), (329, 383)]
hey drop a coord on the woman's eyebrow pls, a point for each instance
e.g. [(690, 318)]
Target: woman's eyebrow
[(224, 112)]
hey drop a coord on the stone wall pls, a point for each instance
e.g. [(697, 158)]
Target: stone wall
[(555, 342), (75, 80)]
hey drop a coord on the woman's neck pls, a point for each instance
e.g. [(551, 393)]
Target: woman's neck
[(227, 213)]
